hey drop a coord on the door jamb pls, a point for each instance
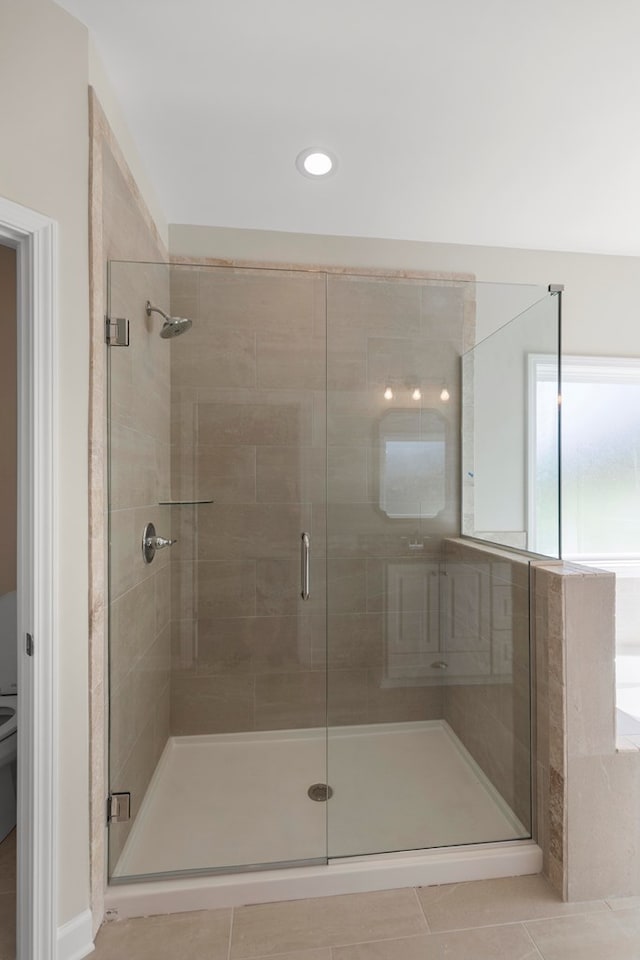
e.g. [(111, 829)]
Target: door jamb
[(34, 237)]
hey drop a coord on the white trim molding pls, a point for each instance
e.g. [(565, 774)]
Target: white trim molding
[(75, 938), (419, 868), (35, 239)]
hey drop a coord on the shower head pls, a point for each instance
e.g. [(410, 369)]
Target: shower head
[(172, 326)]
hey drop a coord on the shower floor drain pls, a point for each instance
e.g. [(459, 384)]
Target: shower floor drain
[(320, 792)]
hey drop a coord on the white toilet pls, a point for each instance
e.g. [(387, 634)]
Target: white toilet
[(8, 711)]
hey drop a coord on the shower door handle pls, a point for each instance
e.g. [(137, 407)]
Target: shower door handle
[(305, 566)]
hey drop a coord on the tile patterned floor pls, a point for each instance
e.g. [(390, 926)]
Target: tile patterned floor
[(513, 919)]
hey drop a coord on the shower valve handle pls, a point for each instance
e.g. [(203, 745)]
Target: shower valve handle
[(160, 542), (151, 543)]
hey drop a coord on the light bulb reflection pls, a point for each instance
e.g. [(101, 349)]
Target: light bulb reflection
[(417, 394), (444, 395), (388, 394)]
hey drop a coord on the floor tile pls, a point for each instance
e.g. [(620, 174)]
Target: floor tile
[(510, 942), (267, 929), (481, 903), (614, 935), (7, 926), (624, 903), (181, 936), (319, 953), (8, 863)]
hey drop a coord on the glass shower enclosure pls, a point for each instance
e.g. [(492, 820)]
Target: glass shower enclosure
[(307, 660)]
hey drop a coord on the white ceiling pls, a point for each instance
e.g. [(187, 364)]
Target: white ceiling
[(503, 122)]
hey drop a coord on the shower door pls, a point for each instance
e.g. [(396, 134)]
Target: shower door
[(217, 663), (393, 405), (429, 722), (314, 664)]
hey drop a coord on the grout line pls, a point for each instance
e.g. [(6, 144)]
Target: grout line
[(333, 946), (511, 923), (414, 936), (535, 945), (422, 910), (233, 915)]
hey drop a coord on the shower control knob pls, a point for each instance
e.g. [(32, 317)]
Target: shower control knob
[(161, 542), (151, 543)]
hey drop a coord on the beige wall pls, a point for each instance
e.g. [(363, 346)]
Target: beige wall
[(43, 104), (45, 55), (8, 420), (143, 178)]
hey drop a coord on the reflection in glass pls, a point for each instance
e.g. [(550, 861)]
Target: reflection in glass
[(412, 470), (501, 483)]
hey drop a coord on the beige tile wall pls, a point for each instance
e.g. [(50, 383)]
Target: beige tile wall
[(487, 704), (249, 429), (247, 389), (603, 785), (140, 598), (382, 559), (588, 792), (139, 428), (550, 728)]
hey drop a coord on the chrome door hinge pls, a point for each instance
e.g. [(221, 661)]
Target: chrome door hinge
[(29, 645), (117, 331), (118, 807)]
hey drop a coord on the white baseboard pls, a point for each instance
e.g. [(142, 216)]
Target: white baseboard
[(75, 938)]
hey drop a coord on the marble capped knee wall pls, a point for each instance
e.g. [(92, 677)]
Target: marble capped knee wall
[(588, 791)]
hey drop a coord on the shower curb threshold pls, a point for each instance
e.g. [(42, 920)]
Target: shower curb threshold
[(346, 875)]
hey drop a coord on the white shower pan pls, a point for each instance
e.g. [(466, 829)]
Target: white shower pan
[(217, 802)]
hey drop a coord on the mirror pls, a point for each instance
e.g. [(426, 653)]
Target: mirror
[(412, 445)]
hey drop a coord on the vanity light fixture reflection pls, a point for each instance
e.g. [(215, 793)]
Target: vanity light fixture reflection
[(388, 393), (417, 394), (444, 395)]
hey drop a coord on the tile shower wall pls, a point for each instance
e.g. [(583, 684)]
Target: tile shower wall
[(385, 521), (486, 647), (249, 430), (139, 438), (549, 623)]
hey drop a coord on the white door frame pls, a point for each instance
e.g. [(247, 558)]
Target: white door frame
[(34, 238)]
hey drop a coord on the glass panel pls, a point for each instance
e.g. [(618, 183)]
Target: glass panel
[(427, 638), (510, 433), (485, 642), (217, 665), (415, 642)]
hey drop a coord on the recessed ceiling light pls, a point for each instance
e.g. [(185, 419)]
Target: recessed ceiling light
[(315, 162)]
